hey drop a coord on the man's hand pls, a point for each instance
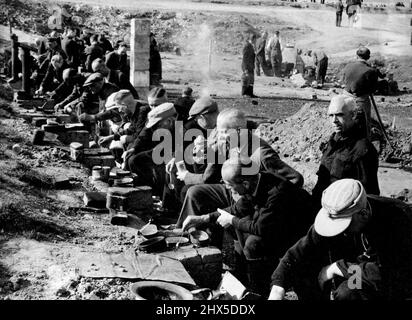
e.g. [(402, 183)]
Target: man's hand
[(85, 117), (105, 140), (236, 196), (127, 153), (327, 273), (169, 165), (225, 219), (39, 91), (194, 221), (181, 174), (58, 106), (276, 293)]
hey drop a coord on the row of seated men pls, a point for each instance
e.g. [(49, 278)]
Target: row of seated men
[(341, 241), (82, 54)]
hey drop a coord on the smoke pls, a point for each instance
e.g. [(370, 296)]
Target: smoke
[(199, 45)]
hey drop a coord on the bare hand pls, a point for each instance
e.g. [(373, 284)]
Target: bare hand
[(181, 174), (169, 166), (225, 219), (194, 221)]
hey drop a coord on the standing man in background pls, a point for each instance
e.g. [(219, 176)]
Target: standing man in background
[(361, 80), (260, 59), (276, 55), (320, 60), (339, 11), (248, 67)]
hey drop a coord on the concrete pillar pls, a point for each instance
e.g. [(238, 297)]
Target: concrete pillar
[(14, 57), (26, 71), (139, 55)]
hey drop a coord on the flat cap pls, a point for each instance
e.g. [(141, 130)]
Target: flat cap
[(340, 201), (363, 53), (160, 113), (202, 106), (93, 78)]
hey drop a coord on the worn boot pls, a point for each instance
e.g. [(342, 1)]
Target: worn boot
[(250, 92), (239, 270), (245, 91), (259, 272)]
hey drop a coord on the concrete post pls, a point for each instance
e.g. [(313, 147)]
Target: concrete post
[(26, 70), (139, 56), (14, 57)]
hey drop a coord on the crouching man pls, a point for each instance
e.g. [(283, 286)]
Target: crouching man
[(265, 218), (359, 248)]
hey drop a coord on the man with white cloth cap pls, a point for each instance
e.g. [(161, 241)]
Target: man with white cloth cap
[(359, 248)]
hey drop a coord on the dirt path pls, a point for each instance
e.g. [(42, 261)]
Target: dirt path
[(377, 28)]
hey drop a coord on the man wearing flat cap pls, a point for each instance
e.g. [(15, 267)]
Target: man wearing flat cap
[(361, 80), (139, 156), (95, 88), (359, 248)]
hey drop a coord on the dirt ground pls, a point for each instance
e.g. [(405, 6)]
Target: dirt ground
[(42, 230)]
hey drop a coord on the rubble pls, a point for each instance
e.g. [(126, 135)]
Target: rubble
[(300, 136)]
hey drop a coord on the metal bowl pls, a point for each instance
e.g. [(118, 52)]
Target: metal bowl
[(173, 241), (153, 245), (199, 238), (159, 290)]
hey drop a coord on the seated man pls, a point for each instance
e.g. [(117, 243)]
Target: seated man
[(348, 153), (114, 76), (95, 86), (184, 103), (128, 128), (54, 75), (359, 248), (265, 216), (139, 156), (231, 124), (71, 79)]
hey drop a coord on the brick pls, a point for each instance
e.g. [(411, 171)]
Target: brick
[(97, 160), (39, 121), (81, 136), (130, 199), (38, 137), (210, 254)]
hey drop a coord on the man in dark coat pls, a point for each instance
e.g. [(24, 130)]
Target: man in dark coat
[(361, 80), (276, 55), (265, 216), (359, 248), (339, 11), (320, 60), (93, 52), (184, 103), (248, 67), (155, 65), (208, 194), (140, 157), (54, 75), (260, 59), (71, 48), (348, 153)]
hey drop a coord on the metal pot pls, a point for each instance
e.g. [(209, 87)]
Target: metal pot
[(153, 244), (159, 290)]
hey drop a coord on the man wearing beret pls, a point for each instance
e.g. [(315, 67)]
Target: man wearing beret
[(348, 153), (359, 248), (361, 80), (139, 156)]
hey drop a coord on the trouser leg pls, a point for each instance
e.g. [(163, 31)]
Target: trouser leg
[(203, 199)]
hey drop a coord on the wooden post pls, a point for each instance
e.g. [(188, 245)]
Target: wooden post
[(139, 55), (26, 71), (14, 57), (210, 57)]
